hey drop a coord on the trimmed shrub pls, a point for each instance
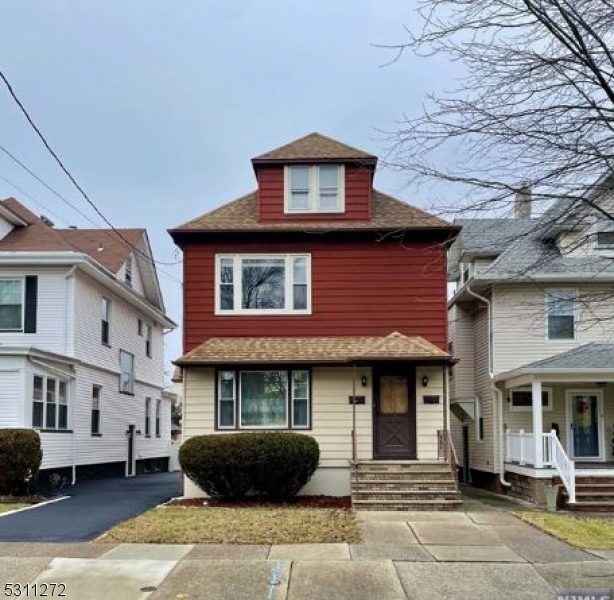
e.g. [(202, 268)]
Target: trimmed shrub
[(20, 459), (271, 465)]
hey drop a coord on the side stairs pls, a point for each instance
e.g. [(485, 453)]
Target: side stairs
[(594, 493), (404, 485)]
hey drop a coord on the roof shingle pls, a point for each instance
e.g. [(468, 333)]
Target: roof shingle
[(388, 214), (284, 350), (314, 146)]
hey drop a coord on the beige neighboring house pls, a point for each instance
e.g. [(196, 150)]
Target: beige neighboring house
[(531, 324)]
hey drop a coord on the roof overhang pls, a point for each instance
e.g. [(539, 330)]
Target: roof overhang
[(92, 268), (525, 376), (8, 215), (463, 408)]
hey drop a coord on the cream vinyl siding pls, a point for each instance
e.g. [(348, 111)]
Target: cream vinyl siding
[(429, 417), (52, 319), (462, 337), (519, 322), (331, 411), (479, 264), (482, 453), (516, 420)]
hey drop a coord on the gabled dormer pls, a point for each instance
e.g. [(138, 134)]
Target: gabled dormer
[(314, 178)]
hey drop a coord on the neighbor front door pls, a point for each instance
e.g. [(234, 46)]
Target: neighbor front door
[(585, 425), (394, 414)]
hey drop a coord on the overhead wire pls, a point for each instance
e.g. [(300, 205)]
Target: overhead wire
[(70, 176)]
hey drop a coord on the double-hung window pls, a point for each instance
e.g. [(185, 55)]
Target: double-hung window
[(126, 377), (158, 418), (263, 399), (561, 314), (314, 189), (263, 284), (148, 330), (11, 304), (96, 407), (49, 403), (128, 271), (147, 417), (105, 320)]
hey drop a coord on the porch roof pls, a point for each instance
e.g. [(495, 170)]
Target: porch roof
[(593, 358), (322, 349)]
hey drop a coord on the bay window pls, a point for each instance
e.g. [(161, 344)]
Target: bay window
[(263, 284), (49, 403), (263, 399)]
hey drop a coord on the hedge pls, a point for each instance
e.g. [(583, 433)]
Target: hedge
[(20, 459), (273, 466)]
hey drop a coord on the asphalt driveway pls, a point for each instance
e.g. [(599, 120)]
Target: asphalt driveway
[(92, 508)]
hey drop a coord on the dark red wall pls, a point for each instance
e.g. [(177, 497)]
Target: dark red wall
[(357, 195), (358, 288)]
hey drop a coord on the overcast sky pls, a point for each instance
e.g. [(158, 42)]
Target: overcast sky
[(156, 107)]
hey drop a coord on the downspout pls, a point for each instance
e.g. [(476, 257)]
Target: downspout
[(70, 347), (496, 392)]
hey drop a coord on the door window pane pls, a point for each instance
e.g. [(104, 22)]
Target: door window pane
[(394, 398), (585, 423), (263, 398)]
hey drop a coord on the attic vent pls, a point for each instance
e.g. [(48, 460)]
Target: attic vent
[(47, 221)]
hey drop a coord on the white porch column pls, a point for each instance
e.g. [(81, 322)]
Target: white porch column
[(538, 423)]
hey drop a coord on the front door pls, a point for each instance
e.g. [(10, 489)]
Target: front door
[(585, 425), (394, 406)]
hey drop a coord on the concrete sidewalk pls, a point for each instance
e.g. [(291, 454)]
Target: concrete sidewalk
[(477, 554)]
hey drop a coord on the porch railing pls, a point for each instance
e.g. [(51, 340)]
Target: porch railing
[(446, 450), (520, 449)]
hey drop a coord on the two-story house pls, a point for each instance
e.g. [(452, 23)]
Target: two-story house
[(532, 324), (317, 304), (81, 345)]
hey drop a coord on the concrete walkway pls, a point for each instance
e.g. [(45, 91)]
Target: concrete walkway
[(483, 552)]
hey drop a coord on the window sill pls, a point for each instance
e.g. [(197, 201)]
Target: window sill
[(147, 436), (105, 344), (262, 313), (126, 393), (96, 434), (53, 430)]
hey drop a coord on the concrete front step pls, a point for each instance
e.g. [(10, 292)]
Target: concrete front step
[(404, 485), (406, 504)]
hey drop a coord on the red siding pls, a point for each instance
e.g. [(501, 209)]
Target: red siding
[(358, 288), (357, 195)]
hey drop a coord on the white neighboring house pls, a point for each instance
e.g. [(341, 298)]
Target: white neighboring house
[(81, 345), (532, 326)]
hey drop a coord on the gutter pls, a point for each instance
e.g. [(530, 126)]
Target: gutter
[(496, 392)]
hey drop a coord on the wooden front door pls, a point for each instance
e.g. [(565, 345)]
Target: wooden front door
[(394, 405)]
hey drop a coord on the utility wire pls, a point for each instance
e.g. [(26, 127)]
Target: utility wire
[(68, 202), (69, 175)]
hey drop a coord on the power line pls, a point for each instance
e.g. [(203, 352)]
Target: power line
[(69, 203), (69, 175)]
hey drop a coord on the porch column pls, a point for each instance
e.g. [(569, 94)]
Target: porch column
[(538, 424)]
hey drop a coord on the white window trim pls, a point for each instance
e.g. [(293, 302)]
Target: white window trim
[(238, 285), (314, 190), (99, 432), (23, 304), (69, 415), (547, 408), (576, 319), (121, 372)]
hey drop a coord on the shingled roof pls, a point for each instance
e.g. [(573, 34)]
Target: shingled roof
[(286, 350), (314, 146), (242, 215), (37, 236)]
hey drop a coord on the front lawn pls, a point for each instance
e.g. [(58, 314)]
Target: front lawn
[(595, 533), (8, 506), (249, 525)]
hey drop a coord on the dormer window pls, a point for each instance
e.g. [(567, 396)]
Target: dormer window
[(128, 271), (314, 189)]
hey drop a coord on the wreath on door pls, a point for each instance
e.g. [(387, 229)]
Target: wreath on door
[(583, 409)]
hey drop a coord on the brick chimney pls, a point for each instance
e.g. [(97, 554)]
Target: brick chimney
[(522, 203)]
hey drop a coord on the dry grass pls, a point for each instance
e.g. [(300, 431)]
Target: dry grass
[(265, 525), (595, 533), (8, 506)]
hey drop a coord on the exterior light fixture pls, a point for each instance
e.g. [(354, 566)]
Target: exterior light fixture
[(425, 381)]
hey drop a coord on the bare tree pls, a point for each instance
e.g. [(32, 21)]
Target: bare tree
[(535, 105)]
